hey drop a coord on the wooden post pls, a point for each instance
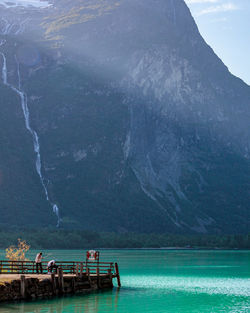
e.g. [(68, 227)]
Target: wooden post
[(23, 291), (60, 280), (81, 269), (117, 275), (98, 277), (77, 269), (110, 274), (53, 283)]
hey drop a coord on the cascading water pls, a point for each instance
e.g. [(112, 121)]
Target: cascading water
[(33, 133), (174, 12), (18, 73)]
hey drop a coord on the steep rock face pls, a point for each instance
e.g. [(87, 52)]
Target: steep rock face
[(141, 126)]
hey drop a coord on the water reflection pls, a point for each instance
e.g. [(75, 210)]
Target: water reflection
[(106, 301)]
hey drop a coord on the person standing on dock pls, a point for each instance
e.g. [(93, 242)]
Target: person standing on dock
[(38, 261)]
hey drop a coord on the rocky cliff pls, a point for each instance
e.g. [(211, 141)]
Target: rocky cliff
[(116, 115)]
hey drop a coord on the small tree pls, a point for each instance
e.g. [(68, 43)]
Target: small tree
[(18, 253)]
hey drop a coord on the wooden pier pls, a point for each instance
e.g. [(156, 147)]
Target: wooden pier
[(19, 280)]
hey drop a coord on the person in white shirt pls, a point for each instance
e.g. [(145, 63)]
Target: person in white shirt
[(38, 261), (51, 265)]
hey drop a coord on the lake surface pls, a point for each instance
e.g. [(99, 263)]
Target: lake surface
[(155, 281)]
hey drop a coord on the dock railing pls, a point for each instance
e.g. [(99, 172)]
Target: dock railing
[(68, 267)]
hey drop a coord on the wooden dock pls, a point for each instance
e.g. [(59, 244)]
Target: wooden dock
[(19, 280)]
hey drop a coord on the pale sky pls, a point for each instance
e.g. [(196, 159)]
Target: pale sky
[(225, 25), (24, 3)]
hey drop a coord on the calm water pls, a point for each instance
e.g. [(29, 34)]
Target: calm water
[(155, 281)]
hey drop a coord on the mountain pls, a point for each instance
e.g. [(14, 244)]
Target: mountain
[(117, 116)]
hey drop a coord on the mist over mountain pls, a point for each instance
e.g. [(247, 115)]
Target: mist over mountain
[(117, 116)]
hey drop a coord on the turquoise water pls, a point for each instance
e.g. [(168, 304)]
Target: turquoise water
[(175, 281)]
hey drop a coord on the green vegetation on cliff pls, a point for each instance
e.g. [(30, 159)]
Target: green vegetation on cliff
[(63, 239)]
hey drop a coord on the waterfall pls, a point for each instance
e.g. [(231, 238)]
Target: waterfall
[(174, 12), (18, 73), (26, 113), (4, 70)]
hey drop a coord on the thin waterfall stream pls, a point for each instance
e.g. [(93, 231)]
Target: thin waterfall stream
[(35, 138)]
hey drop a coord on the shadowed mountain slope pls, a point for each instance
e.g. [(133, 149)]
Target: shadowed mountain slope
[(141, 126)]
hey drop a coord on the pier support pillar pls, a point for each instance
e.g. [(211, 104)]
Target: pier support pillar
[(117, 275), (60, 280), (23, 285), (53, 283), (88, 275), (73, 286)]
